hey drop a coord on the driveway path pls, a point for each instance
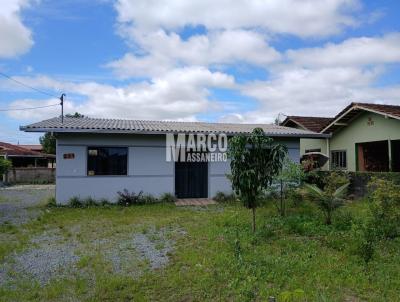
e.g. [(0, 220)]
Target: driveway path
[(18, 204)]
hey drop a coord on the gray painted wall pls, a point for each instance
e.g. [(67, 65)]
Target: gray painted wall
[(148, 170)]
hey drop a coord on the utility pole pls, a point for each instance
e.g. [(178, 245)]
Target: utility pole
[(62, 107)]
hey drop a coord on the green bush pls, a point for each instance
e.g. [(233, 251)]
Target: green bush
[(343, 220), (385, 207), (365, 239), (148, 199), (167, 198), (126, 198), (224, 197), (5, 165), (331, 197), (75, 202), (51, 202)]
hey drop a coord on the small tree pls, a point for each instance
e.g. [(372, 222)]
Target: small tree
[(290, 177), (5, 165), (255, 160), (48, 142)]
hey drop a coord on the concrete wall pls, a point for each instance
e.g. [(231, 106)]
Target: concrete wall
[(31, 175), (148, 170)]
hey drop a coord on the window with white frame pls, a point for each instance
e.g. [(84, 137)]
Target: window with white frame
[(338, 159)]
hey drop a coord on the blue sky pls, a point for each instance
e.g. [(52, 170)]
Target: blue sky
[(227, 61)]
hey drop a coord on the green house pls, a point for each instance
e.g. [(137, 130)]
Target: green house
[(364, 137)]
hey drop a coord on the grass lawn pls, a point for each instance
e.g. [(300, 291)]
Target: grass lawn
[(206, 254)]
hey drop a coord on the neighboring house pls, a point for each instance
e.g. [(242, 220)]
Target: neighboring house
[(99, 157), (36, 148), (365, 137), (22, 157)]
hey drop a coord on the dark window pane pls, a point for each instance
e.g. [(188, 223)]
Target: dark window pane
[(338, 160), (107, 161)]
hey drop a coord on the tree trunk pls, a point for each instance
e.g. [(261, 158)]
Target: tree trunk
[(329, 218), (254, 218), (282, 204)]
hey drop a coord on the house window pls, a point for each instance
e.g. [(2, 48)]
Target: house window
[(107, 161), (338, 159), (313, 150)]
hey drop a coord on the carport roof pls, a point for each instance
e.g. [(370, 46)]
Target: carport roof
[(100, 125)]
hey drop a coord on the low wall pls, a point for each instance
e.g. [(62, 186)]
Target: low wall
[(31, 175)]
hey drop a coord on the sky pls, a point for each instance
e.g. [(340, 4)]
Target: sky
[(240, 61)]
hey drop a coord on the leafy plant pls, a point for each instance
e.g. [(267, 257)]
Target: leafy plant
[(51, 202), (75, 202), (365, 239), (255, 160), (5, 165), (223, 197), (290, 177), (327, 200), (385, 207), (167, 198), (48, 142), (126, 198), (147, 199)]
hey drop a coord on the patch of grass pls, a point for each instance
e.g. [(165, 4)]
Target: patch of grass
[(217, 259)]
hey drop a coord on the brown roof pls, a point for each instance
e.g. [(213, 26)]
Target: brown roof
[(32, 147), (15, 150), (312, 123), (352, 110)]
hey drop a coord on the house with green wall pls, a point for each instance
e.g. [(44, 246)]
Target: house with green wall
[(364, 137)]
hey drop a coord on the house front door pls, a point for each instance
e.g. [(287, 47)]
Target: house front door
[(191, 179)]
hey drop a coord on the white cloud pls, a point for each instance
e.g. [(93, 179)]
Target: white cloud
[(302, 18), (15, 37), (180, 95), (318, 92), (351, 52), (165, 51)]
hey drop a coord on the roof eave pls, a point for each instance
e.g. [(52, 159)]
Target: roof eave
[(152, 132)]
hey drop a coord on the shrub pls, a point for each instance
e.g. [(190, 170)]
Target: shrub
[(167, 198), (75, 202), (125, 198), (223, 197), (385, 207), (331, 198), (147, 199), (343, 221), (89, 202), (5, 165), (364, 238), (51, 202), (104, 202)]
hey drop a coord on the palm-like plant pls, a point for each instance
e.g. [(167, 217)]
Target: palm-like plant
[(328, 201)]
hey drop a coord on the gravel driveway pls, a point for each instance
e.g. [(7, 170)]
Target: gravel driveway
[(18, 204)]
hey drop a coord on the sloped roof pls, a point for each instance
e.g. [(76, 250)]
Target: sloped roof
[(32, 147), (352, 110), (98, 125), (312, 123), (15, 150)]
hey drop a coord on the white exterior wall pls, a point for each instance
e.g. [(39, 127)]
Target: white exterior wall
[(148, 170)]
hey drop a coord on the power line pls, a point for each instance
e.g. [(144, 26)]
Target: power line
[(28, 108), (26, 85)]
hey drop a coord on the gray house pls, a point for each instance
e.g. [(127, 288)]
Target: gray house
[(99, 157)]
